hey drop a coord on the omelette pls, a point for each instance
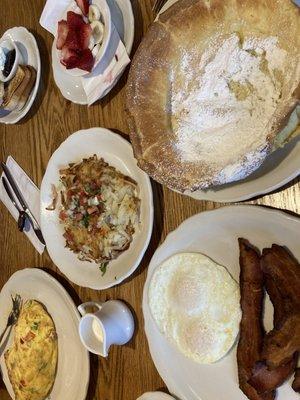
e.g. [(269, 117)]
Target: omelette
[(32, 360)]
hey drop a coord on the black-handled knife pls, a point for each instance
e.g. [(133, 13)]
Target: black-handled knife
[(23, 203), (22, 214)]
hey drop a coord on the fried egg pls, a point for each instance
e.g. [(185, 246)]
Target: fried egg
[(195, 303), (32, 360)]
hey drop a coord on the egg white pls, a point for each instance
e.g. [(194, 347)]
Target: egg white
[(195, 303)]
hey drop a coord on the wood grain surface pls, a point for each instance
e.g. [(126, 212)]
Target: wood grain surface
[(128, 371)]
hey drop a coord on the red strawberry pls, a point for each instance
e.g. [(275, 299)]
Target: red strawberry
[(86, 61), (62, 33), (84, 36), (70, 58), (75, 21), (84, 6), (72, 41)]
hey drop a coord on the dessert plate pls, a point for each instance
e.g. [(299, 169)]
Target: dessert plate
[(278, 169), (103, 6), (73, 369), (215, 234), (71, 86), (117, 152), (28, 48)]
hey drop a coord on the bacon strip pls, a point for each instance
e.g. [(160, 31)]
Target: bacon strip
[(282, 272), (296, 383), (251, 328)]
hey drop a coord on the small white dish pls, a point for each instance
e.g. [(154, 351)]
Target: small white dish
[(111, 324), (6, 46), (73, 370), (117, 152), (155, 396), (71, 87), (30, 54), (215, 234), (106, 19)]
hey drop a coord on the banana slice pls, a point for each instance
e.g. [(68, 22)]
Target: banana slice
[(92, 42), (97, 31), (94, 13), (96, 50)]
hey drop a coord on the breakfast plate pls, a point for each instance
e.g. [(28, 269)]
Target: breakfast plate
[(70, 86), (215, 234), (73, 369), (30, 56), (279, 168), (117, 152)]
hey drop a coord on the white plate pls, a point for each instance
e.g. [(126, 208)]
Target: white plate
[(278, 169), (73, 368), (30, 53), (105, 12), (117, 152), (71, 87), (215, 234)]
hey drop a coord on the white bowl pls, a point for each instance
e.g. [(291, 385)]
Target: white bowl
[(8, 45), (106, 19), (117, 152)]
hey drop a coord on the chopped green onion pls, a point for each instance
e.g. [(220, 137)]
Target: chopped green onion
[(103, 268)]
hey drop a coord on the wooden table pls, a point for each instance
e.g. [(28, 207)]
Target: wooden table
[(128, 371)]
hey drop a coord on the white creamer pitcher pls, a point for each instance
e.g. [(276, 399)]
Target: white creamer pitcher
[(112, 323)]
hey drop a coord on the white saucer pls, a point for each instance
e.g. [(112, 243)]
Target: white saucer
[(31, 56), (70, 86)]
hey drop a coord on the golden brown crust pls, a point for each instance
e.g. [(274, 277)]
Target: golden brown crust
[(184, 27)]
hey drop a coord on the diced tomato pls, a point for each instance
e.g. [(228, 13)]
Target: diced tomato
[(63, 215), (92, 210), (78, 216), (82, 200), (30, 336)]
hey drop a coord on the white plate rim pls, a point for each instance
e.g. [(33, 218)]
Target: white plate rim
[(172, 384), (33, 93), (211, 195), (41, 273), (149, 205)]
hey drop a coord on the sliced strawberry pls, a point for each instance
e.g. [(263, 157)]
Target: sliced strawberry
[(86, 60), (62, 33), (75, 21), (72, 41), (84, 36), (84, 6), (70, 58)]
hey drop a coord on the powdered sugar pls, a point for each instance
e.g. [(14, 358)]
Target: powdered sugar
[(220, 113)]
